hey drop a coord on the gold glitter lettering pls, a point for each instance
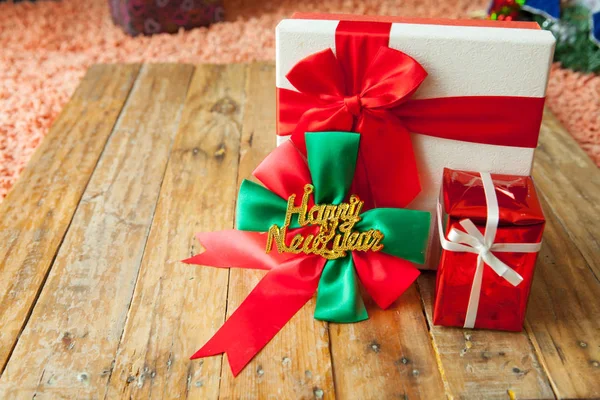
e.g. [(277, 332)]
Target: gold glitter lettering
[(335, 236)]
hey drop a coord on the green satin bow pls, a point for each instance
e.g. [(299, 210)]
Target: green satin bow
[(331, 162)]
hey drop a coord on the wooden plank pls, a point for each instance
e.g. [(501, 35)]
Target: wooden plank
[(296, 362), (570, 181), (482, 364), (563, 318), (39, 208), (70, 341), (388, 356), (177, 307), (67, 350)]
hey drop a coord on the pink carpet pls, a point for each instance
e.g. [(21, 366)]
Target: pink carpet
[(46, 48)]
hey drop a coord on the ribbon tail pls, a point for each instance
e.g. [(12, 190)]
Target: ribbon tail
[(389, 160), (384, 276), (272, 303), (471, 315), (503, 270), (236, 249)]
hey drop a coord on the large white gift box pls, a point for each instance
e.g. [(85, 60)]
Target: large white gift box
[(461, 58)]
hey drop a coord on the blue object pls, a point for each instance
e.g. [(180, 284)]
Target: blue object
[(595, 28), (548, 8)]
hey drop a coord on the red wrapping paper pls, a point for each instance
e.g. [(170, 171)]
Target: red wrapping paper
[(502, 306)]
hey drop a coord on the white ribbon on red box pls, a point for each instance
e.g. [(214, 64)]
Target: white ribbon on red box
[(472, 241)]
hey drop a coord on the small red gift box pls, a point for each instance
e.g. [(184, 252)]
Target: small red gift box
[(491, 230)]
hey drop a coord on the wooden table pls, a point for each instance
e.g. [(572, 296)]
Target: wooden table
[(94, 302)]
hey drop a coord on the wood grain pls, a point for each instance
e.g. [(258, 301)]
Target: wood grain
[(563, 318), (87, 337), (69, 344), (177, 307), (482, 364), (570, 181), (37, 211), (388, 356), (296, 363)]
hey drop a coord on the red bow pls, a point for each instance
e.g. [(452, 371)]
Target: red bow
[(390, 79), (367, 89), (292, 279)]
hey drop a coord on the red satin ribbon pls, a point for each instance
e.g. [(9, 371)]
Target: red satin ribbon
[(367, 89), (292, 279), (272, 303)]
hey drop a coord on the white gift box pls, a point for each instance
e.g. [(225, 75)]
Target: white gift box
[(497, 60)]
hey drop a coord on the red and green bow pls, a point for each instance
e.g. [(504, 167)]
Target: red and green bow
[(293, 279)]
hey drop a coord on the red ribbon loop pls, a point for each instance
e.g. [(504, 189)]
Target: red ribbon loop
[(389, 79)]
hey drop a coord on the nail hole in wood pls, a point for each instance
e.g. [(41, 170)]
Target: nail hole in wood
[(376, 347), (318, 392), (403, 361), (224, 106)]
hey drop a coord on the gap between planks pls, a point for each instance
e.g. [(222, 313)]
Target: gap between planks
[(147, 235), (49, 270), (296, 362), (391, 350), (224, 365), (559, 220), (197, 194), (570, 181), (43, 166), (102, 202)]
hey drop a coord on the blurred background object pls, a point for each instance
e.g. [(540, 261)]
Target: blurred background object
[(48, 45), (575, 24), (156, 16)]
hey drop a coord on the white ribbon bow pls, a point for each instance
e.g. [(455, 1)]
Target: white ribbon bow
[(472, 241)]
